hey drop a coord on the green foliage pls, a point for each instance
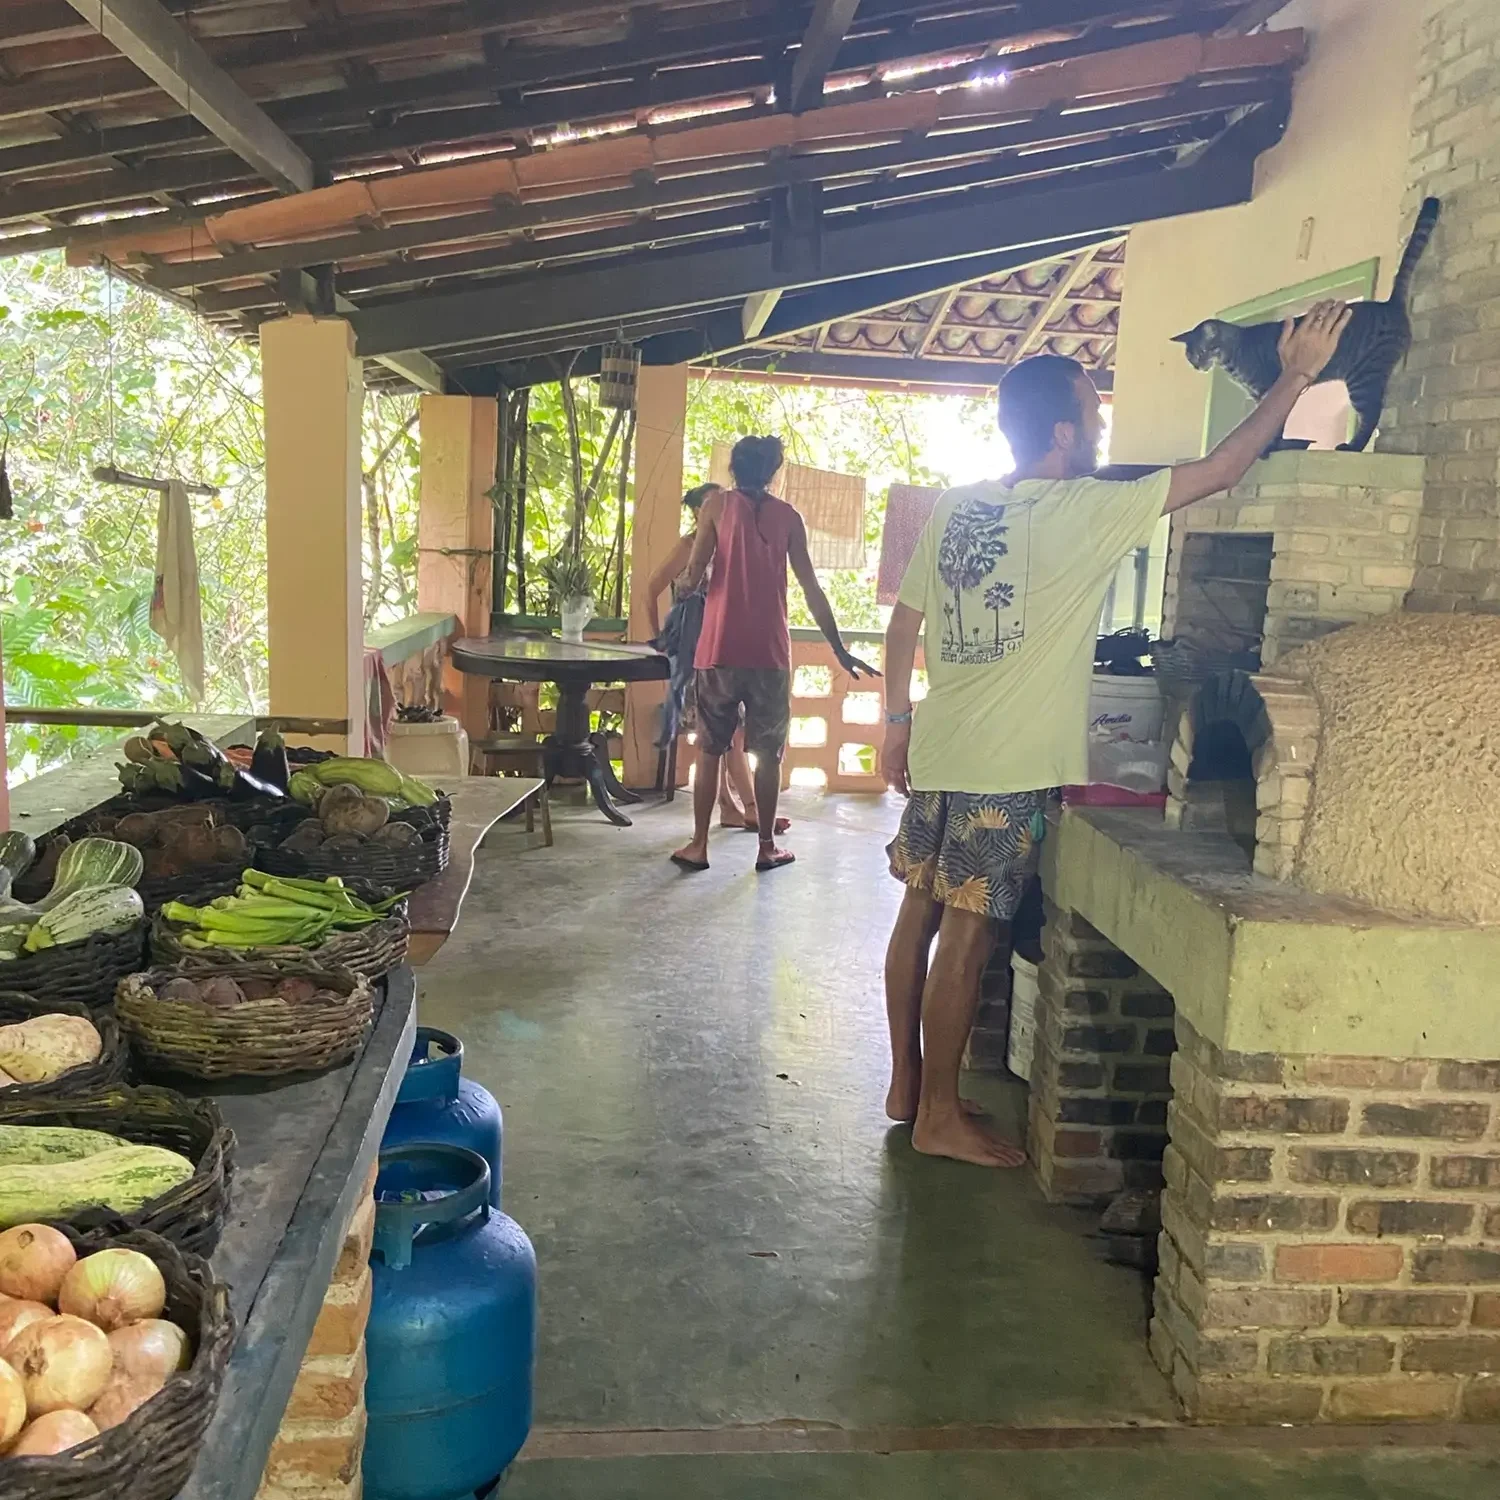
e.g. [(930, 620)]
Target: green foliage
[(94, 370)]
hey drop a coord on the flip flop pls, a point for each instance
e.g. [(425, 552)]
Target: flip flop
[(777, 861), (693, 865)]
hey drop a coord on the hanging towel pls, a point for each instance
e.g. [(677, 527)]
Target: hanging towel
[(176, 608), (908, 508), (380, 704)]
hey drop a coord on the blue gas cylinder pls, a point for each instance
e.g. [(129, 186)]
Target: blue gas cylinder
[(451, 1341), (437, 1103)]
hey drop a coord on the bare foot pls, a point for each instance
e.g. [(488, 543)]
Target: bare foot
[(749, 822), (692, 856), (960, 1138), (905, 1093)]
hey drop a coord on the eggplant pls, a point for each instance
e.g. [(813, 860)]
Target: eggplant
[(269, 763), (245, 786), (178, 779)]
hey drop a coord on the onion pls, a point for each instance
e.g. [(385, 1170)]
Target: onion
[(63, 1361), (54, 1433), (34, 1258), (12, 1404), (112, 1288), (152, 1347), (14, 1316), (121, 1397)]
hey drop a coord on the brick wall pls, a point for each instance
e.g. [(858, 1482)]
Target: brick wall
[(1331, 1240), (316, 1455), (1344, 546), (1445, 402), (1099, 1079)]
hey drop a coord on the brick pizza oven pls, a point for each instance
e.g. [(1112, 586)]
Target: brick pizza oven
[(1278, 1003)]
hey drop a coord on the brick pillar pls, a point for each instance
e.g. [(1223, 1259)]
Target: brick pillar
[(1099, 1080), (1323, 1254), (1443, 400), (316, 1455), (990, 1037)]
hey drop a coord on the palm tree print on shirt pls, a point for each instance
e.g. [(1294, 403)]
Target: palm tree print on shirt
[(999, 595), (973, 542)]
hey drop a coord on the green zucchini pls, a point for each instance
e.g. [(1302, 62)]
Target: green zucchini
[(37, 1145), (121, 1179)]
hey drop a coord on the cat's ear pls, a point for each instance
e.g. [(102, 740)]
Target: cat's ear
[(1184, 338)]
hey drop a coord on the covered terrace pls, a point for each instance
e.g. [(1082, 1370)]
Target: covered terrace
[(750, 1286)]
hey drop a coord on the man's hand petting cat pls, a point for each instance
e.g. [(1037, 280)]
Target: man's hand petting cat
[(1306, 345)]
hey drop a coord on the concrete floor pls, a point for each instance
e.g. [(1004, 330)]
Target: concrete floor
[(732, 1239)]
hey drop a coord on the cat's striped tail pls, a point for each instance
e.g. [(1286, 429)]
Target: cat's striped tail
[(1421, 232)]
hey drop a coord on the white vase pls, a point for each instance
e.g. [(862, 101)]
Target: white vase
[(576, 614)]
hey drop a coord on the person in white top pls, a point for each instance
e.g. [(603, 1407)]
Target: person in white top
[(1008, 581)]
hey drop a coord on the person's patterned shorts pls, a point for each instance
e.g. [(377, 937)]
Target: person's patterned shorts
[(970, 850)]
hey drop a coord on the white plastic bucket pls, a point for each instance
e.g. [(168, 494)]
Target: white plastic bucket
[(438, 750), (1023, 1002), (1125, 708)]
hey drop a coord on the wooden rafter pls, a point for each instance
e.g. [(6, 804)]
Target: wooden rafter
[(820, 46), (935, 323), (164, 50), (674, 281), (1065, 283)]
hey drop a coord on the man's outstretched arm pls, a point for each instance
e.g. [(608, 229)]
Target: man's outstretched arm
[(1305, 348)]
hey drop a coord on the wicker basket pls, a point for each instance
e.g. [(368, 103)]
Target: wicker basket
[(375, 864), (372, 951), (85, 972), (192, 1213), (255, 1039), (196, 886), (88, 1078), (150, 1455)]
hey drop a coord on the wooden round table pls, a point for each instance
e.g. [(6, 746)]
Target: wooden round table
[(570, 750)]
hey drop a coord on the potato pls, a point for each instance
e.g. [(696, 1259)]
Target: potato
[(296, 990), (180, 989), (396, 836), (230, 845), (345, 843), (305, 837), (257, 989), (221, 991)]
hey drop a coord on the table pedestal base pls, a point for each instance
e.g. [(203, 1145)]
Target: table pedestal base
[(572, 751)]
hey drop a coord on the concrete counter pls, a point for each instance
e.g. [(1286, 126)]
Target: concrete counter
[(1261, 966)]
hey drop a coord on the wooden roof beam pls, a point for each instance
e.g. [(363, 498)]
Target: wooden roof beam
[(1221, 176), (821, 41), (162, 49)]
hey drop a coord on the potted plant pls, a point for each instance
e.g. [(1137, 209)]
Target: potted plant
[(567, 575)]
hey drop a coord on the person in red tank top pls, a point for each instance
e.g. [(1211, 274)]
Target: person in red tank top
[(744, 660)]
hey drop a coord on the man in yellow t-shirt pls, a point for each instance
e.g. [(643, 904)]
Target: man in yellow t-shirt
[(1008, 581)]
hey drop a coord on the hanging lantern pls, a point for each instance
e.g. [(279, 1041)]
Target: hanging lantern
[(619, 368)]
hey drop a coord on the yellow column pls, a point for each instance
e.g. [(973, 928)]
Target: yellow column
[(661, 422), (313, 391), (456, 532)]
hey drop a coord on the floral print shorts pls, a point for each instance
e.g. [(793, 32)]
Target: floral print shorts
[(975, 851)]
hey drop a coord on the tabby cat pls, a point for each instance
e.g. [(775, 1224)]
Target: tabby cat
[(1373, 344)]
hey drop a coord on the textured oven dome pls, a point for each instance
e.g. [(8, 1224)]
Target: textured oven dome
[(1406, 786)]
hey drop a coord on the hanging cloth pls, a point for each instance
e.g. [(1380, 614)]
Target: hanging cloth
[(176, 608), (679, 642)]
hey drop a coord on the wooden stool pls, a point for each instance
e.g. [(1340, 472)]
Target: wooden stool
[(520, 757)]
